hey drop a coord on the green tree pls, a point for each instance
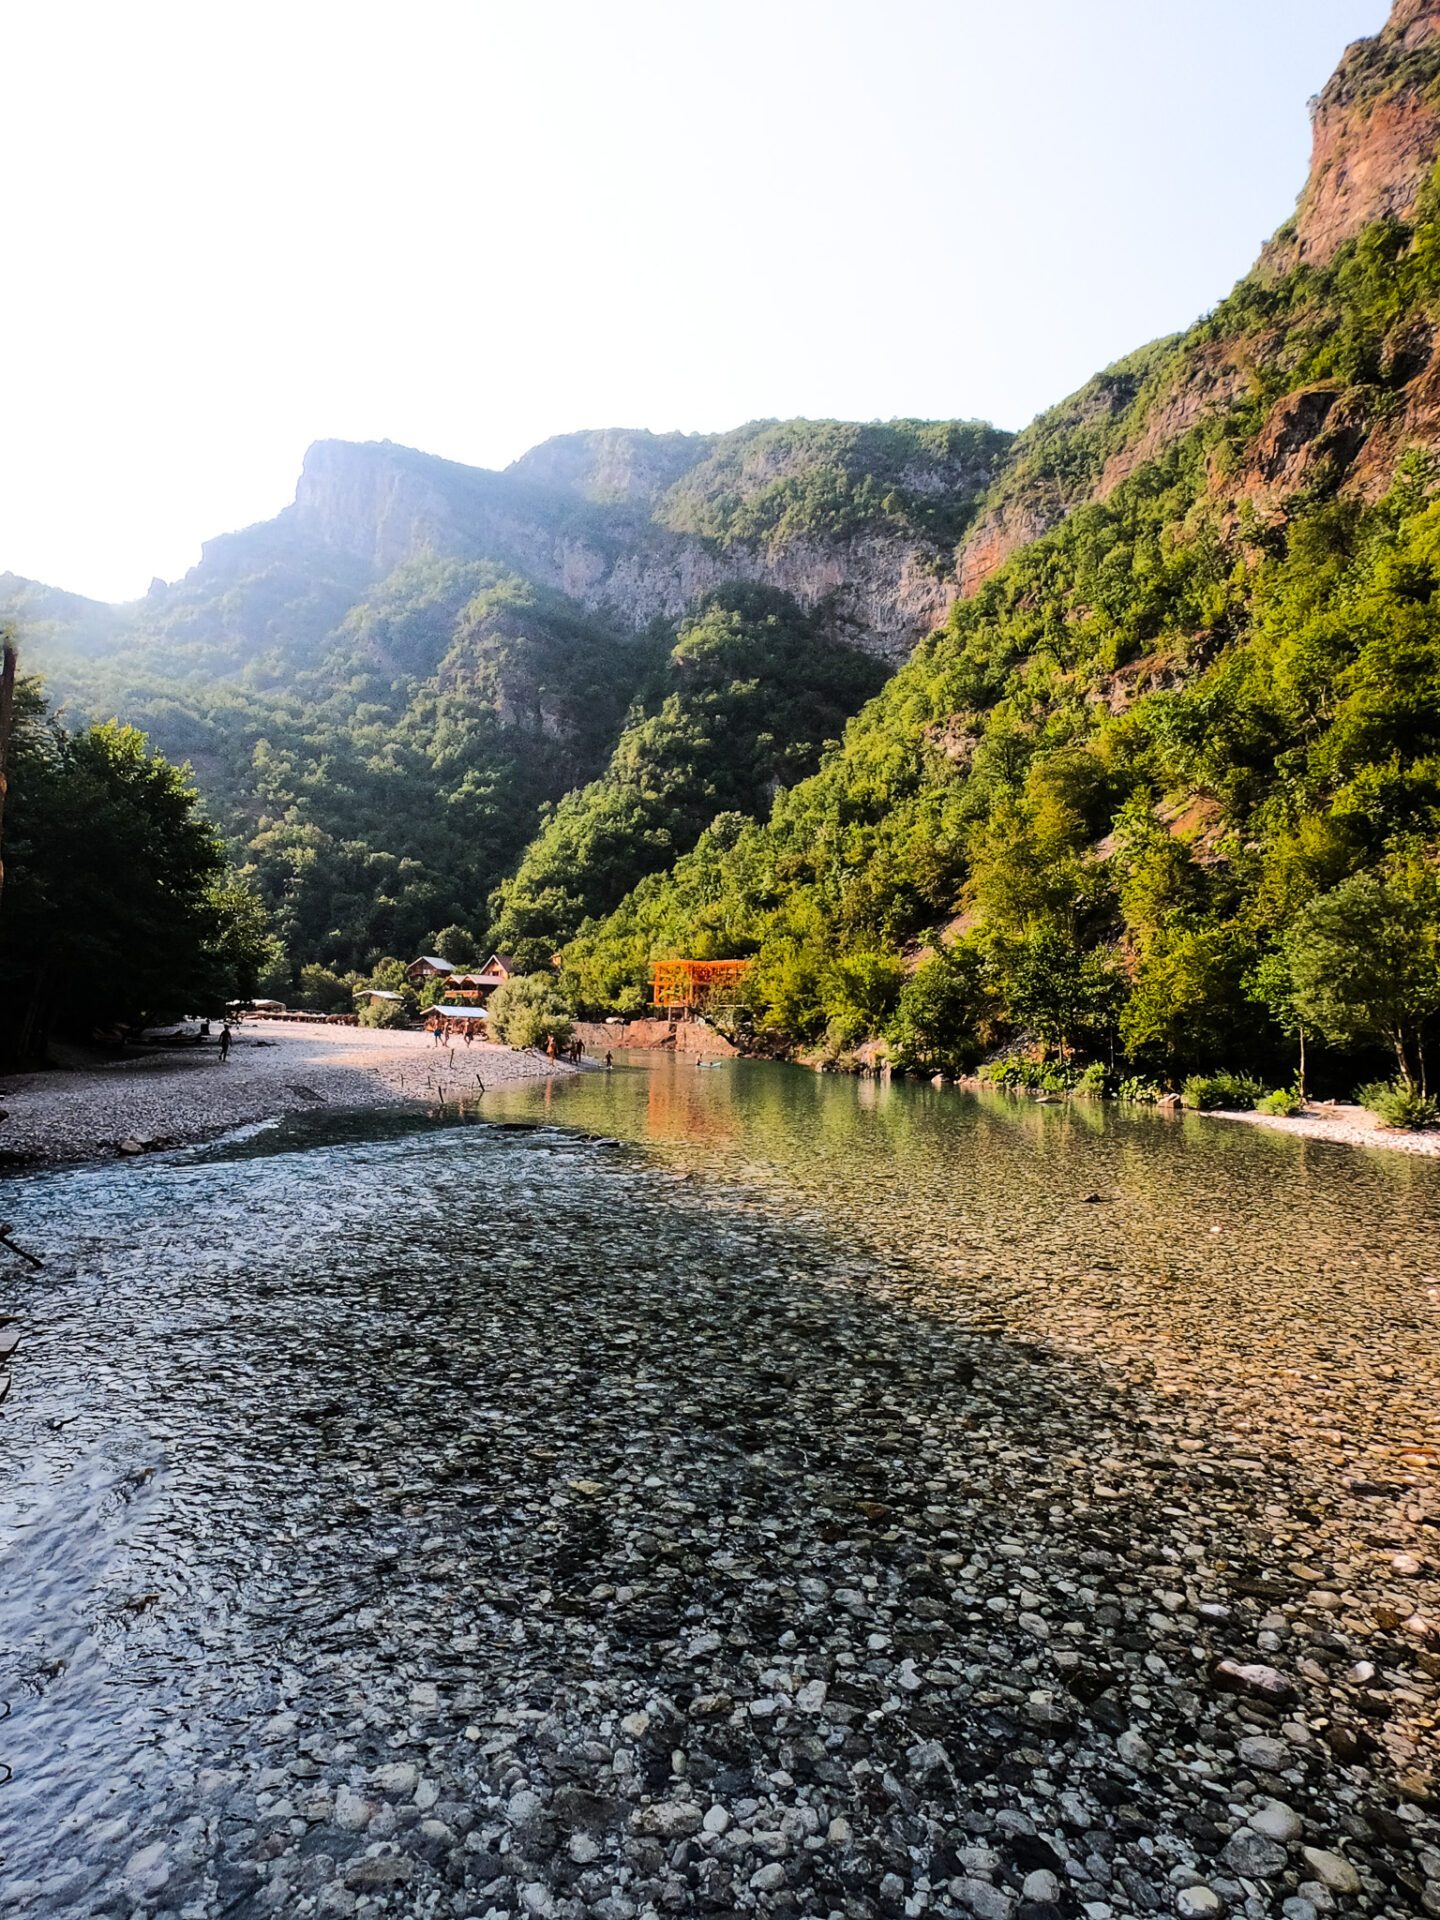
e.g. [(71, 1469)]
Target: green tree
[(942, 1010), (528, 1010), (457, 946), (384, 1013), (1271, 984), (1185, 998), (325, 991), (119, 905), (1065, 996), (1365, 965)]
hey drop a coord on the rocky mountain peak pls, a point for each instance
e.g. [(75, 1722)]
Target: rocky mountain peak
[(1376, 134), (612, 465)]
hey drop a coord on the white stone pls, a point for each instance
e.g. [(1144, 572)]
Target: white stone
[(1197, 1903), (352, 1811), (1332, 1870), (1040, 1885), (717, 1820), (1277, 1821), (1134, 1751)]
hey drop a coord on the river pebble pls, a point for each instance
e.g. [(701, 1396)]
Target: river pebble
[(479, 1524)]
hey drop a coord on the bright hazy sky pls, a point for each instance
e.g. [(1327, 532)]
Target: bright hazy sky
[(236, 226)]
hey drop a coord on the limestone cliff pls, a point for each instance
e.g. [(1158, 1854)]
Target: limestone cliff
[(851, 521)]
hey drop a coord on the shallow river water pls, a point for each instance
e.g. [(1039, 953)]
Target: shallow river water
[(726, 1489)]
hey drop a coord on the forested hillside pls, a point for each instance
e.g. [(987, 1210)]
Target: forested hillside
[(748, 696), (383, 689), (1164, 748)]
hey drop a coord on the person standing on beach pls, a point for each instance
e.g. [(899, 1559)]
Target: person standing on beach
[(225, 1043), (550, 1049)]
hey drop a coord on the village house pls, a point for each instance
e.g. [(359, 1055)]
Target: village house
[(428, 967), (496, 971)]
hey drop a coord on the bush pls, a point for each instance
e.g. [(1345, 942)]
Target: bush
[(1284, 1101), (1035, 1076), (1235, 1091), (384, 1013), (527, 1011), (1140, 1091), (1095, 1080), (1397, 1104)]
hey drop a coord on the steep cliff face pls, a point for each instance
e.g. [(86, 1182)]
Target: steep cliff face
[(857, 523), (1376, 131)]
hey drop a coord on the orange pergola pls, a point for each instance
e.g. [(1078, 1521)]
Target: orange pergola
[(697, 983)]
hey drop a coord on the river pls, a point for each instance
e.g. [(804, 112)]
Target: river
[(725, 1489)]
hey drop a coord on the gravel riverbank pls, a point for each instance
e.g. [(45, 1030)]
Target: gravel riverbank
[(173, 1096), (1352, 1126)]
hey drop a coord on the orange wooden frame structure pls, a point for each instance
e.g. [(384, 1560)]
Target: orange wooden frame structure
[(697, 984)]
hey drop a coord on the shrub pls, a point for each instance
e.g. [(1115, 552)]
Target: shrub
[(1139, 1090), (384, 1013), (1035, 1076), (527, 1011), (1236, 1091), (1095, 1080), (1284, 1101), (1397, 1104)]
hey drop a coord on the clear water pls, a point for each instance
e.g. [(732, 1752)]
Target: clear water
[(240, 1452)]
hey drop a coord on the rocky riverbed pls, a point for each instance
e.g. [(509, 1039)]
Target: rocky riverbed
[(488, 1522)]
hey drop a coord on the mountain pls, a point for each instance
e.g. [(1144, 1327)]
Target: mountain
[(1162, 667), (1190, 688), (384, 688)]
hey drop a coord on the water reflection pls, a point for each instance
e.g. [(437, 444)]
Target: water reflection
[(246, 1410)]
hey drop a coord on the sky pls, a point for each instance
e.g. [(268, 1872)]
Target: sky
[(464, 225)]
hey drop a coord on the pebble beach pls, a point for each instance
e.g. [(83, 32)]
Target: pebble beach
[(176, 1095)]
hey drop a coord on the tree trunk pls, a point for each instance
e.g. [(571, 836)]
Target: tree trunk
[(7, 720), (1301, 1088), (1398, 1037)]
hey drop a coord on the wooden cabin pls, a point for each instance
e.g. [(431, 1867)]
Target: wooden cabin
[(456, 1021), (428, 967), (496, 971), (467, 987)]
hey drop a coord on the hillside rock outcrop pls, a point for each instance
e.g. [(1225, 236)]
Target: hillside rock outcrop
[(1376, 133)]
